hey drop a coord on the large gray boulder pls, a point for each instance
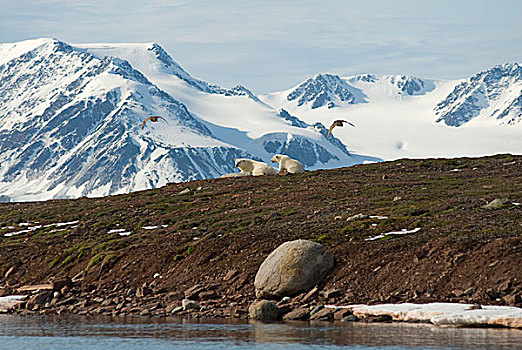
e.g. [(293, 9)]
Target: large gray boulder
[(294, 267)]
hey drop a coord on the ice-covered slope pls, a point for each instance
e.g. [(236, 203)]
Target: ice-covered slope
[(492, 94), (402, 116), (70, 126), (236, 115)]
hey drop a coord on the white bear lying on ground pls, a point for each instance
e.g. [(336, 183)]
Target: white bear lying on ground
[(251, 167), (287, 164)]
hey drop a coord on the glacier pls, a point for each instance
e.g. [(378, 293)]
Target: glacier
[(399, 116)]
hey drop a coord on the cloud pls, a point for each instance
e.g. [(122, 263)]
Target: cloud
[(268, 44)]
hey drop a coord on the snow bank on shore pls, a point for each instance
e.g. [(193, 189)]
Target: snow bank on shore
[(445, 314), (9, 301)]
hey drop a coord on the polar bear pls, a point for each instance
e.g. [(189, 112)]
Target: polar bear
[(254, 167), (287, 164)]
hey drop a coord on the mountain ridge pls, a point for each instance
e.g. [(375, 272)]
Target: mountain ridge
[(71, 114), (496, 92)]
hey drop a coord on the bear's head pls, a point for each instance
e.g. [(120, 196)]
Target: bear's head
[(276, 158), (237, 162)]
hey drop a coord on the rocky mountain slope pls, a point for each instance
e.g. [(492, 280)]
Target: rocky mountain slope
[(403, 116), (71, 115), (493, 94), (424, 234)]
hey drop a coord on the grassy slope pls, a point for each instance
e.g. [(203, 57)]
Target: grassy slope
[(238, 222)]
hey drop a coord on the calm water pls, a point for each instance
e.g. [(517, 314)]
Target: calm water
[(137, 333)]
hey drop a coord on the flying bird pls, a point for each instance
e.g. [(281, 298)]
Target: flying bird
[(152, 118), (337, 123)]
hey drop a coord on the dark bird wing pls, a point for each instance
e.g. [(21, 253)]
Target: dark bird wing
[(331, 128), (144, 122), (337, 123)]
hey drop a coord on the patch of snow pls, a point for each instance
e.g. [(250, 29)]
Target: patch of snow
[(9, 301), (509, 317), (127, 233), (454, 314), (116, 230), (60, 224), (378, 217), (58, 230), (149, 227), (30, 229), (401, 232)]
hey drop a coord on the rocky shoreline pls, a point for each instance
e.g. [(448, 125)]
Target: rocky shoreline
[(300, 308)]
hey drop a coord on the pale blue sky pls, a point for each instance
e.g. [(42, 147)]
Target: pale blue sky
[(272, 45)]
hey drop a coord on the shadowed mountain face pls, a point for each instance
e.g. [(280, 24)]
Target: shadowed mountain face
[(71, 125), (495, 93), (324, 90)]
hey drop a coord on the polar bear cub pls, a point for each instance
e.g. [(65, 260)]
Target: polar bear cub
[(287, 164), (254, 167)]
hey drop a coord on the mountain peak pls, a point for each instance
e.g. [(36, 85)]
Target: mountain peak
[(495, 92), (410, 85), (324, 89), (162, 55), (9, 51)]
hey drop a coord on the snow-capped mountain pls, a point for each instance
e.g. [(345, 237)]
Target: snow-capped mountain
[(400, 116), (71, 119), (71, 123), (325, 90), (494, 93), (330, 90), (236, 115), (70, 127)]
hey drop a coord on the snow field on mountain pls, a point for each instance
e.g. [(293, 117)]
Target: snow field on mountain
[(393, 126), (236, 120)]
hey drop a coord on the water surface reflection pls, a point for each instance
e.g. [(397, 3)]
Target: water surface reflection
[(74, 332)]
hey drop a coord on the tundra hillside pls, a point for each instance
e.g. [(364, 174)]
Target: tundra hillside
[(143, 252)]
